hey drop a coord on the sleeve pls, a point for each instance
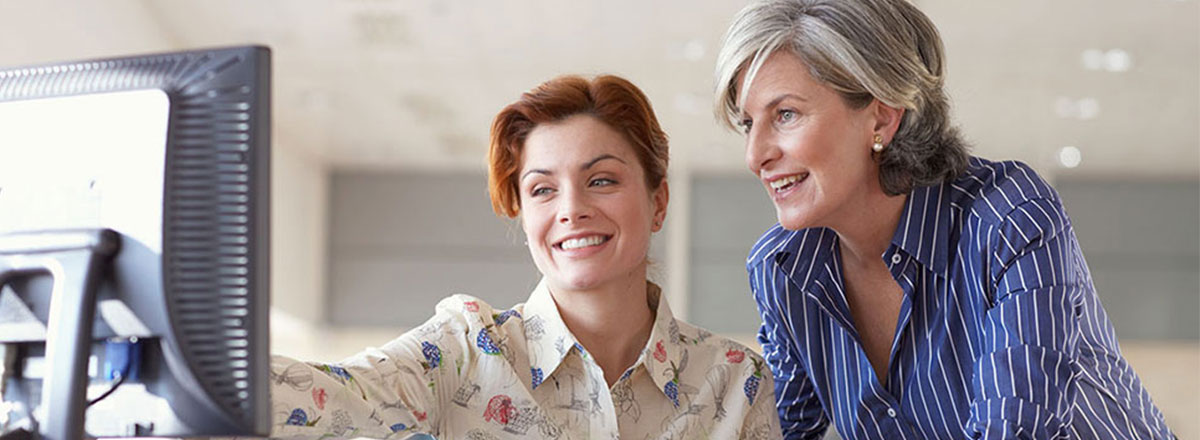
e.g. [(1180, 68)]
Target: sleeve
[(1023, 381), (800, 412), (388, 392)]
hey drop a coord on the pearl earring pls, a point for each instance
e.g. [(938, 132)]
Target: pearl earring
[(878, 145)]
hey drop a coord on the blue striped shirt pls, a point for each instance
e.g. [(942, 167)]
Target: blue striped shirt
[(1000, 333)]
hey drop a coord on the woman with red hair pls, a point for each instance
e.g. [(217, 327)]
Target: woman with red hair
[(595, 352)]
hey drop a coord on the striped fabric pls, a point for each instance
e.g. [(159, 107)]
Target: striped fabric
[(1000, 335)]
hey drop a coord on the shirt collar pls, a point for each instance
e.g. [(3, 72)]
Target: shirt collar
[(924, 226), (665, 356), (546, 334), (550, 341), (810, 259), (805, 256)]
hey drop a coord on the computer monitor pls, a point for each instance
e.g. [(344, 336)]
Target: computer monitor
[(134, 245)]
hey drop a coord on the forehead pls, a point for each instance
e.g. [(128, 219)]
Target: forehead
[(573, 141), (782, 72)]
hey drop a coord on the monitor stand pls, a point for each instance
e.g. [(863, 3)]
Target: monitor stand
[(76, 260)]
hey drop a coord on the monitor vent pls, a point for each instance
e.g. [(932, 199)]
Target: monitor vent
[(215, 216), (209, 232), (119, 74)]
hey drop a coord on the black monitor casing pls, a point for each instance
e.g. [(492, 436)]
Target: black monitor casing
[(199, 304)]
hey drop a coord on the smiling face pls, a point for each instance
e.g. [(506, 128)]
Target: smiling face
[(811, 151), (585, 207)]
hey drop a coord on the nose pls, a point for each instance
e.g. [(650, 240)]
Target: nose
[(574, 207), (761, 149)]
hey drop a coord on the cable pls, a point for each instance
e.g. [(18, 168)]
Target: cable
[(120, 380)]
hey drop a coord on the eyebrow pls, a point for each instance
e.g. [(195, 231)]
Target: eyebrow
[(585, 166), (600, 158), (779, 99)]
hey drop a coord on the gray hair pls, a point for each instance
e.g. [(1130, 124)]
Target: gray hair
[(863, 50)]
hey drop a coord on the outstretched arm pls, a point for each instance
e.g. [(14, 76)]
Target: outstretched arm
[(387, 392)]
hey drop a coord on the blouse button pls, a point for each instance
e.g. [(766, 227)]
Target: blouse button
[(891, 413), (896, 258)]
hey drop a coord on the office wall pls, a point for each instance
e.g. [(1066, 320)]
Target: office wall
[(728, 215), (300, 187), (1142, 242), (402, 242)]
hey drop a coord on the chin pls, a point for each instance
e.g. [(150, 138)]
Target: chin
[(792, 220), (581, 280)]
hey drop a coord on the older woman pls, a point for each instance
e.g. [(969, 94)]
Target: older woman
[(595, 352), (909, 290)]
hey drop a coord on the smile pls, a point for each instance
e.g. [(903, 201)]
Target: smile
[(582, 242), (783, 184)]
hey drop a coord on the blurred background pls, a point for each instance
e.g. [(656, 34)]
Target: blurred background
[(382, 110)]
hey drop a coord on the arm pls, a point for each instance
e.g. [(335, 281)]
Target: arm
[(384, 392), (800, 412), (1023, 381)]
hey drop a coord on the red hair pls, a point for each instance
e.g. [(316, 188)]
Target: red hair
[(611, 99)]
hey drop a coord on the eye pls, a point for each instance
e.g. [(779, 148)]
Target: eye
[(540, 191), (786, 115), (745, 124), (602, 181)]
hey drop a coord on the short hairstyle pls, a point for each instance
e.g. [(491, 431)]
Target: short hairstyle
[(863, 50), (610, 99)]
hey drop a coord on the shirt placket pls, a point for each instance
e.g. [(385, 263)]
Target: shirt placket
[(885, 407), (599, 400)]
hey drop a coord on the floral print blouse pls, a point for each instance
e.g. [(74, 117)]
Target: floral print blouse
[(472, 372)]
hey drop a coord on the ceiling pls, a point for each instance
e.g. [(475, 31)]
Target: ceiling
[(413, 84)]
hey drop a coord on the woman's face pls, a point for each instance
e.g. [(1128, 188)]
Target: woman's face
[(810, 150), (585, 208)]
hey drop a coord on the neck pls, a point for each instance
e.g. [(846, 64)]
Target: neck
[(867, 232), (612, 321)]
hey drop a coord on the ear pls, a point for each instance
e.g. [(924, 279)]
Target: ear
[(660, 197), (887, 120)]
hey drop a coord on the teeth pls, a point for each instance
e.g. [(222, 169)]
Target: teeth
[(776, 184), (576, 243)]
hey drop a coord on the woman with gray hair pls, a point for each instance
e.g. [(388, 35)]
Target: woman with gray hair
[(909, 291)]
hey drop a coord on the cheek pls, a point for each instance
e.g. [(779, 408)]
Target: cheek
[(534, 224), (802, 145)]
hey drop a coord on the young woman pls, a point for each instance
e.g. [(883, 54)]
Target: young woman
[(595, 352)]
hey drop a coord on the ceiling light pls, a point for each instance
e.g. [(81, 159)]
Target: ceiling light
[(1069, 156), (1117, 60), (1112, 60)]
